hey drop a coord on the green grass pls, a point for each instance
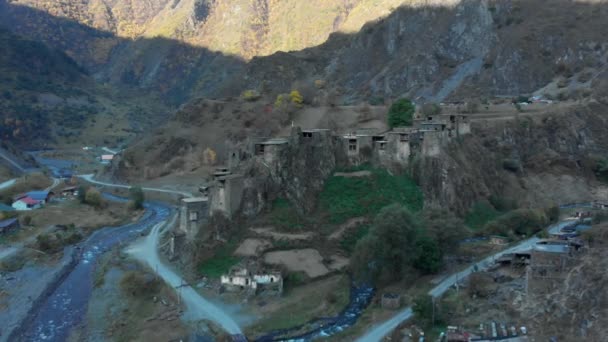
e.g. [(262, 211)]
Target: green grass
[(344, 198), (285, 217), (480, 214), (220, 263)]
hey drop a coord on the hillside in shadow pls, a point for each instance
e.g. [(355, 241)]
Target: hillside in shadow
[(469, 49)]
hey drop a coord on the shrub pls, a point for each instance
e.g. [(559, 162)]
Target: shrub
[(137, 197), (27, 220), (511, 165), (93, 197), (502, 204), (296, 98), (139, 284), (401, 113), (320, 84), (250, 95), (428, 257), (480, 214), (518, 222)]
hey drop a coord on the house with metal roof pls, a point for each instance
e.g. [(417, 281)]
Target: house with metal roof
[(27, 203)]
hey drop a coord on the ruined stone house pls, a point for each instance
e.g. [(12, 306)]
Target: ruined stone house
[(193, 212), (253, 281)]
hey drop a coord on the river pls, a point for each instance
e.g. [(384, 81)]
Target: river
[(64, 304)]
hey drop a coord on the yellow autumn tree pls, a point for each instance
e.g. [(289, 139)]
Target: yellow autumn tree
[(296, 98), (209, 156)]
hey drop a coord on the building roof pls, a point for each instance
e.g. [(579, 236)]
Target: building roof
[(38, 195), (194, 199), (274, 141), (107, 156), (4, 207), (7, 223), (70, 188), (28, 200)]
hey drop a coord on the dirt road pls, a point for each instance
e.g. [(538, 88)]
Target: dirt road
[(146, 251)]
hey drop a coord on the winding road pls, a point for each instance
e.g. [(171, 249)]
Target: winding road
[(7, 184), (145, 250), (382, 330), (89, 178)]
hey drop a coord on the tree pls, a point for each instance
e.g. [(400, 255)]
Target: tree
[(296, 98), (209, 156), (423, 309), (428, 255), (445, 228), (93, 198), (250, 95), (401, 113), (82, 192), (390, 247), (137, 197)]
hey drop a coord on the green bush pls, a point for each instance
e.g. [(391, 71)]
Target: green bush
[(343, 197), (480, 214), (220, 263), (428, 255), (350, 239), (389, 248), (401, 113), (137, 197), (140, 284), (284, 216), (519, 222)]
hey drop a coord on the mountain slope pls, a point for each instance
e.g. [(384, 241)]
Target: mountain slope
[(46, 98), (376, 49)]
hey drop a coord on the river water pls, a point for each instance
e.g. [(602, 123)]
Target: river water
[(65, 305)]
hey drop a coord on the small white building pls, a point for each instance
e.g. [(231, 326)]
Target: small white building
[(26, 203), (241, 279)]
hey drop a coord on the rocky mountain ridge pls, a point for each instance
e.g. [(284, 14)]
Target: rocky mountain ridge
[(376, 50)]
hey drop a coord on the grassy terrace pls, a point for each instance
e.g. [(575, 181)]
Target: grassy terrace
[(347, 197)]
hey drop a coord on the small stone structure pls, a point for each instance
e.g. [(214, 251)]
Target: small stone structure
[(499, 240), (270, 149), (193, 211), (253, 282), (391, 301), (225, 193)]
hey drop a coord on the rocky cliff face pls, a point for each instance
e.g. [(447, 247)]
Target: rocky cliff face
[(535, 160), (376, 49)]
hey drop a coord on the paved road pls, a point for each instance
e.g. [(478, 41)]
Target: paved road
[(6, 156), (55, 183), (146, 251), (7, 184), (380, 331), (89, 178)]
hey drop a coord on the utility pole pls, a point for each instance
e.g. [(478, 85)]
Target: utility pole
[(433, 317)]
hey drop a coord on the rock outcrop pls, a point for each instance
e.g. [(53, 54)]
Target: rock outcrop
[(537, 160)]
